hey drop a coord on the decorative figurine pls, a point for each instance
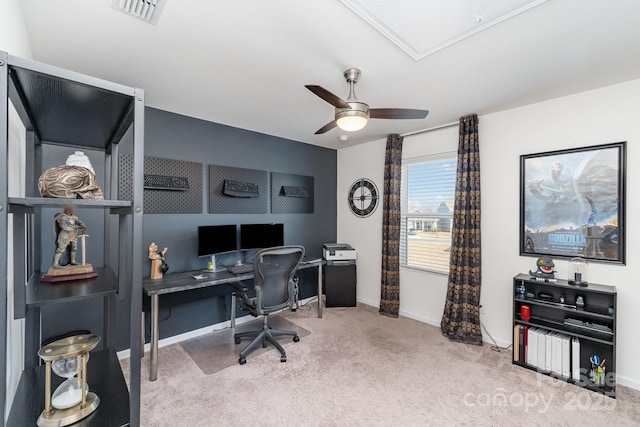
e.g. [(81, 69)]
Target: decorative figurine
[(544, 268), (158, 265), (75, 180), (66, 225)]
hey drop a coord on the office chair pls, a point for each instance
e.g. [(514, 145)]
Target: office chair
[(275, 290)]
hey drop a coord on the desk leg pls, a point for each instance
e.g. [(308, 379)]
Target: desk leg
[(153, 367), (233, 312), (320, 291), (142, 337)]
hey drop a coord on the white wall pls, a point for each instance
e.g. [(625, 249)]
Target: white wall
[(13, 33), (595, 117), (13, 39)]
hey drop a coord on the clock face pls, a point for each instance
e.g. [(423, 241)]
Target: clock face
[(363, 197)]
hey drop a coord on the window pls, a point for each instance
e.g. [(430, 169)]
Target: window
[(427, 202)]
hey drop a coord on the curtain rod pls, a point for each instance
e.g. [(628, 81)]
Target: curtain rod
[(446, 125)]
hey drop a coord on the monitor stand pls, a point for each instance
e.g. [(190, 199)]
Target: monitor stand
[(213, 266)]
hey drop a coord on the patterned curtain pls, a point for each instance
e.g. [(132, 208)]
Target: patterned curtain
[(390, 289), (461, 318)]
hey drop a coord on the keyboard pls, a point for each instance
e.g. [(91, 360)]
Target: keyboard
[(294, 191), (240, 269), (164, 182), (582, 326), (240, 189)]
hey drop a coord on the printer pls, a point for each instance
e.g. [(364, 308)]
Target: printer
[(338, 252)]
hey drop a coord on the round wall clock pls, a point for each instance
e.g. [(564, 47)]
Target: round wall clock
[(363, 197)]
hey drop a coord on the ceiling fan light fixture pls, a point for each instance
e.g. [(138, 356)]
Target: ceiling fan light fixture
[(352, 120)]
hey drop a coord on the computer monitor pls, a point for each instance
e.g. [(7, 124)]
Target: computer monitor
[(258, 236), (216, 239)]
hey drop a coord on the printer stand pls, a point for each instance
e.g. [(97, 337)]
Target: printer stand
[(339, 275), (340, 283)]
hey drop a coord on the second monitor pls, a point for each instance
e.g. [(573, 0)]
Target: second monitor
[(258, 236)]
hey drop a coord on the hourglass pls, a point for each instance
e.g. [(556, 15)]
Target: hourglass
[(72, 400)]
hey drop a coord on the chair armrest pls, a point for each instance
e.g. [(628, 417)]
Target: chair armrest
[(246, 302), (240, 287)]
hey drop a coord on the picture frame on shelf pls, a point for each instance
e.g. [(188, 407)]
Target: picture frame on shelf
[(572, 203)]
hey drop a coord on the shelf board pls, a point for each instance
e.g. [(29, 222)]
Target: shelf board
[(559, 306), (559, 327), (105, 379), (68, 107), (606, 390), (560, 283), (42, 293), (33, 202)]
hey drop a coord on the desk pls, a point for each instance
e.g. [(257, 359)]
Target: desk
[(179, 282)]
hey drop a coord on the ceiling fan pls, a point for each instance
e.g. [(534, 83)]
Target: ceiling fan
[(352, 115)]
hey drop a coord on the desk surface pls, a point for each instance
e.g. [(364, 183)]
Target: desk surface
[(177, 282)]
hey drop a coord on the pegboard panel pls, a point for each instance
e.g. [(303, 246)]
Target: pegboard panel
[(291, 193), (223, 203), (162, 199)]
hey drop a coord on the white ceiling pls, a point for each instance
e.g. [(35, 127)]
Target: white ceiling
[(244, 63)]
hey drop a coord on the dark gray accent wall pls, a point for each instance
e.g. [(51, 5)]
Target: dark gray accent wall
[(281, 202), (172, 136), (159, 200), (221, 203)]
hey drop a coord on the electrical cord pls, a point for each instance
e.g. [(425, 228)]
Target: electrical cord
[(306, 305), (495, 346)]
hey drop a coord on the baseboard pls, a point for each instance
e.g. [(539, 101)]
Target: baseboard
[(187, 335), (375, 304), (627, 382), (435, 322)]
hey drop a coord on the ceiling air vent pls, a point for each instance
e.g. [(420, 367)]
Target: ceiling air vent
[(147, 10)]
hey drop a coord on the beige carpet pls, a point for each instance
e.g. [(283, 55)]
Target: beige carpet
[(217, 350), (359, 368)]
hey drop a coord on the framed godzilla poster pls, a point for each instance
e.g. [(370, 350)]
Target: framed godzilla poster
[(572, 203)]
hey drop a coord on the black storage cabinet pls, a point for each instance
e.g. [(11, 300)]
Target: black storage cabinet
[(340, 283)]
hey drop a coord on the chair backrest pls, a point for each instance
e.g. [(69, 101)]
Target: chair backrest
[(274, 269)]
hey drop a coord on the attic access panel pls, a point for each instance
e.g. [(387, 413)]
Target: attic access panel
[(69, 112), (421, 28)]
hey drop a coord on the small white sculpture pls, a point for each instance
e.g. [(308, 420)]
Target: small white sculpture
[(79, 159)]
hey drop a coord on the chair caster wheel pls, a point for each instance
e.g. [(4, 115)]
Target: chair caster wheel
[(296, 338), (242, 360), (264, 345), (237, 340), (283, 358)]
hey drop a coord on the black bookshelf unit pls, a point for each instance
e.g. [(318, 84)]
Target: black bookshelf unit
[(560, 312), (58, 107)]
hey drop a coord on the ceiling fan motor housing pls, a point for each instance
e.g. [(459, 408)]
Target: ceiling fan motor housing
[(357, 109)]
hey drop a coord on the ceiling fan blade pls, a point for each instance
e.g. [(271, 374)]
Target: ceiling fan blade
[(397, 113), (326, 128), (332, 99)]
